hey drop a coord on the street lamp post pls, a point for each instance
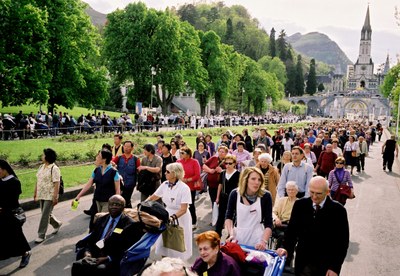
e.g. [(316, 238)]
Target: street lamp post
[(241, 104), (153, 73)]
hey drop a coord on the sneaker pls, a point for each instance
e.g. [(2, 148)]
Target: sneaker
[(56, 229), (25, 259), (39, 240)]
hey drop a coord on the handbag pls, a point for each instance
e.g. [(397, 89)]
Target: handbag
[(343, 193), (146, 182), (19, 214), (174, 237), (354, 153), (203, 179)]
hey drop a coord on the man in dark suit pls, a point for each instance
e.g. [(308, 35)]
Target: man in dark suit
[(112, 235), (320, 228)]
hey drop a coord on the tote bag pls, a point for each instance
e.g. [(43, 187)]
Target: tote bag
[(174, 237)]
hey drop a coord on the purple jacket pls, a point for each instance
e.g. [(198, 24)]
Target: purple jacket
[(333, 182), (225, 265)]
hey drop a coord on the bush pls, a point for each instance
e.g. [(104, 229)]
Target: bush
[(24, 159), (76, 155), (4, 155), (63, 156), (91, 154)]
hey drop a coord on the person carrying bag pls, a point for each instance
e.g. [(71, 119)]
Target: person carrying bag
[(173, 236)]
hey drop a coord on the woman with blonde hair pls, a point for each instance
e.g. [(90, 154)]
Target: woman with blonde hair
[(177, 198), (251, 205), (285, 158)]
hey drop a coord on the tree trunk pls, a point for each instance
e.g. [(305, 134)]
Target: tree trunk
[(217, 105)]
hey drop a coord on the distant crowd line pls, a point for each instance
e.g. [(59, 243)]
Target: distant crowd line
[(26, 126)]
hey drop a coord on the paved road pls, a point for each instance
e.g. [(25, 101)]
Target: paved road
[(374, 224)]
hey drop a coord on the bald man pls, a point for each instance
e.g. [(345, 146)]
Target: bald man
[(320, 228)]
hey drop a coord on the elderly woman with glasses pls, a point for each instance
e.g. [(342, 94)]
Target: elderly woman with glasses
[(191, 168), (176, 196), (339, 175), (212, 261), (249, 212)]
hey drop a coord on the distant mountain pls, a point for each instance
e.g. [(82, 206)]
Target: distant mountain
[(322, 48), (97, 18)]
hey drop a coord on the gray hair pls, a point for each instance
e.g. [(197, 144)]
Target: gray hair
[(292, 184), (265, 156), (166, 265), (177, 169)]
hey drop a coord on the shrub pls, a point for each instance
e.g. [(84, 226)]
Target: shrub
[(4, 155), (76, 155), (24, 159), (63, 156)]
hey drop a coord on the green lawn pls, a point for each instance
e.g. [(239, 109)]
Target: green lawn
[(75, 112)]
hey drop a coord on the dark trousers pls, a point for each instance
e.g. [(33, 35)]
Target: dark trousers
[(388, 162), (213, 194), (276, 153), (192, 207), (222, 206), (127, 194), (361, 162)]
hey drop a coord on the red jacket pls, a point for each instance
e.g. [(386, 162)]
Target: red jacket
[(192, 170)]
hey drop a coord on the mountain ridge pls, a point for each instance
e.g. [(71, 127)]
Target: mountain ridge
[(319, 46)]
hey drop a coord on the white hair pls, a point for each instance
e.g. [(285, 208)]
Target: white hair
[(177, 169), (292, 184), (265, 156)]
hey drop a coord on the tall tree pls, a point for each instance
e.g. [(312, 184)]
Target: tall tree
[(321, 87), (282, 46), (23, 53), (72, 46), (229, 32), (275, 66), (215, 62), (299, 86), (272, 43), (312, 79), (291, 73)]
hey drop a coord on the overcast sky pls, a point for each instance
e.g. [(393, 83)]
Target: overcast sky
[(341, 20)]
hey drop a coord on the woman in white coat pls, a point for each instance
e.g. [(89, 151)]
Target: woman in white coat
[(177, 198)]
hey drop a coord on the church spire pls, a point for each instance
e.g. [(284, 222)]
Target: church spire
[(387, 66), (366, 30)]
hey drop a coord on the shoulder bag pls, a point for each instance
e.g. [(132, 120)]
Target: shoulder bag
[(174, 237), (19, 214)]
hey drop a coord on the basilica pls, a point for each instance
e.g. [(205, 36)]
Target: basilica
[(355, 94)]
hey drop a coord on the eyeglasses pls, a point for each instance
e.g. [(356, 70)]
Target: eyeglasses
[(229, 163), (167, 172), (340, 163), (116, 204)]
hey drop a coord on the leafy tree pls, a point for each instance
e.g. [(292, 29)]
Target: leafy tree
[(274, 65), (229, 32), (291, 73), (391, 86), (299, 84), (188, 12), (72, 45), (215, 62), (311, 79), (281, 46), (23, 53), (272, 43), (321, 87)]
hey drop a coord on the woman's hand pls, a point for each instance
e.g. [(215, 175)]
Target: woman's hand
[(261, 246), (281, 252), (278, 222)]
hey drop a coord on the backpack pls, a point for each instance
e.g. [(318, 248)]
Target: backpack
[(61, 189), (154, 208)]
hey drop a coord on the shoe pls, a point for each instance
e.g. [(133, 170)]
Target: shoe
[(25, 259), (194, 226), (384, 168), (39, 240), (358, 171), (56, 229), (87, 212)]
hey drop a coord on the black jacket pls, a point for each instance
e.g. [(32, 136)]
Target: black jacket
[(322, 238)]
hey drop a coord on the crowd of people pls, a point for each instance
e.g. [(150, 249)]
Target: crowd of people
[(267, 186), (25, 126)]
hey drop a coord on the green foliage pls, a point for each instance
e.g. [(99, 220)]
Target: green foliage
[(233, 24), (281, 46), (275, 66), (312, 79), (321, 87), (282, 106), (24, 159), (23, 53), (272, 43), (391, 87), (4, 155), (299, 81)]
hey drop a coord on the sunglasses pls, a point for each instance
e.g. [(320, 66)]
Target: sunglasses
[(341, 163), (229, 163)]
